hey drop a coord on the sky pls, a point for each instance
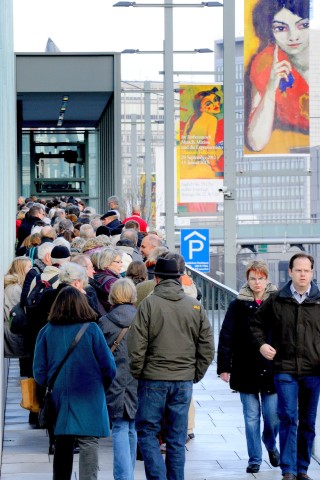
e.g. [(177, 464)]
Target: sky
[(97, 26)]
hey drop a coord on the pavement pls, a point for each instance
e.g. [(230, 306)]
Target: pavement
[(218, 451)]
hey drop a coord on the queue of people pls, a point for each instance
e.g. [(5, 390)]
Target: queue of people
[(145, 339), (82, 273)]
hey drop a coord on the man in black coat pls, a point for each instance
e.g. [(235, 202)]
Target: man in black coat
[(292, 317)]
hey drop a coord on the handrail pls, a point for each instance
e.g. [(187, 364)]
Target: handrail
[(215, 299)]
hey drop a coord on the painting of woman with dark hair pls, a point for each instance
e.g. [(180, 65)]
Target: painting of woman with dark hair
[(277, 108), (201, 134)]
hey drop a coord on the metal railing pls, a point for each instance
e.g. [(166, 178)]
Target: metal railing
[(216, 298)]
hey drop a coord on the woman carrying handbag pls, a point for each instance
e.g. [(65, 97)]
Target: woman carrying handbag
[(79, 390)]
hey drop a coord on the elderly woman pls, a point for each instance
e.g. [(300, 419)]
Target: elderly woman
[(122, 395), (108, 263), (80, 388)]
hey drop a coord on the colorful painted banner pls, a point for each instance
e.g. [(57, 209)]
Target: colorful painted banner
[(200, 161), (276, 62)]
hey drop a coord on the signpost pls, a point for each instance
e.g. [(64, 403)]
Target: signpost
[(195, 248)]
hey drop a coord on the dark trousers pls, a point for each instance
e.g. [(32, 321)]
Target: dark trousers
[(63, 457)]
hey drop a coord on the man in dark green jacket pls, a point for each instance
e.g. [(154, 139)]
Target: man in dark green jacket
[(292, 317), (170, 347)]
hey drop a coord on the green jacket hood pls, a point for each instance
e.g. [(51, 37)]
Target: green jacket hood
[(170, 289)]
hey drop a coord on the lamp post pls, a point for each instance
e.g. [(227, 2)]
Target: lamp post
[(169, 127)]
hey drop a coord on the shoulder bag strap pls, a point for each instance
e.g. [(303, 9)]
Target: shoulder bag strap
[(116, 343), (70, 350)]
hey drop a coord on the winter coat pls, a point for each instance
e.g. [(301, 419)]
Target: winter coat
[(122, 395), (105, 278), (171, 337), (294, 330), (25, 228), (14, 344), (237, 355), (144, 289), (80, 388)]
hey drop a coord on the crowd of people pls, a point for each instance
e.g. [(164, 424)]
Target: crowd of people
[(82, 278), (110, 288)]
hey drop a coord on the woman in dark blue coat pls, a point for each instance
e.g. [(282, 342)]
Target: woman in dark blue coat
[(80, 388), (122, 396)]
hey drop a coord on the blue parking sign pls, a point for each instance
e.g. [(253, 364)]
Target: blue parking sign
[(195, 248)]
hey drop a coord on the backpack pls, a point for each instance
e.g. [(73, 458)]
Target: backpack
[(36, 293), (32, 254), (18, 321)]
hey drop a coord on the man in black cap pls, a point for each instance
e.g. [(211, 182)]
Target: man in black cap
[(111, 220), (170, 347)]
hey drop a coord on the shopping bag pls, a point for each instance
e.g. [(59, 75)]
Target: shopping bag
[(29, 395)]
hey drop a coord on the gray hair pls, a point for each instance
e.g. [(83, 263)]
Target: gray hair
[(61, 241), (106, 256), (71, 271), (44, 249), (130, 234), (87, 231)]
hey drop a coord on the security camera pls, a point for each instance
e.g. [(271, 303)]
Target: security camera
[(223, 189)]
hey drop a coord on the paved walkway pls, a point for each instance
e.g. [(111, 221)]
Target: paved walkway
[(218, 451)]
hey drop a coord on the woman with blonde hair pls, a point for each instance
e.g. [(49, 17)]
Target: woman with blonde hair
[(122, 396), (13, 281)]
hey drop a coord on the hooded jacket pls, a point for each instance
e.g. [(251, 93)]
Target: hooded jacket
[(171, 338), (294, 329), (249, 371), (122, 396)]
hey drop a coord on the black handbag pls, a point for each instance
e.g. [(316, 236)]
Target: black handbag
[(47, 414)]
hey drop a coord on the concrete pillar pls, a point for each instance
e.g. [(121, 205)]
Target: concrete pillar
[(8, 168)]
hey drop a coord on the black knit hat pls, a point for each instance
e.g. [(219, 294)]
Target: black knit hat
[(60, 252), (166, 268)]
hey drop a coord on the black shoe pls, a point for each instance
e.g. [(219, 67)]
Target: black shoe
[(303, 476), (253, 468), (190, 436), (51, 450), (289, 476), (274, 458)]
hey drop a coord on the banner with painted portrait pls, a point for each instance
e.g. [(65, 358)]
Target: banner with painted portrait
[(200, 161), (276, 62)]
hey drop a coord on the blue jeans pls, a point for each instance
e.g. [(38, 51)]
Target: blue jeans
[(298, 401), (253, 405), (124, 440), (158, 402)]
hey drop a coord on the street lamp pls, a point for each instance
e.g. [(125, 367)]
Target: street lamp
[(152, 52), (169, 125), (161, 5)]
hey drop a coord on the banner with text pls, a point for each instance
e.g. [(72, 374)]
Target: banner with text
[(200, 161)]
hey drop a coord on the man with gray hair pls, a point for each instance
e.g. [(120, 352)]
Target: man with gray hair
[(87, 231), (148, 244), (132, 236)]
